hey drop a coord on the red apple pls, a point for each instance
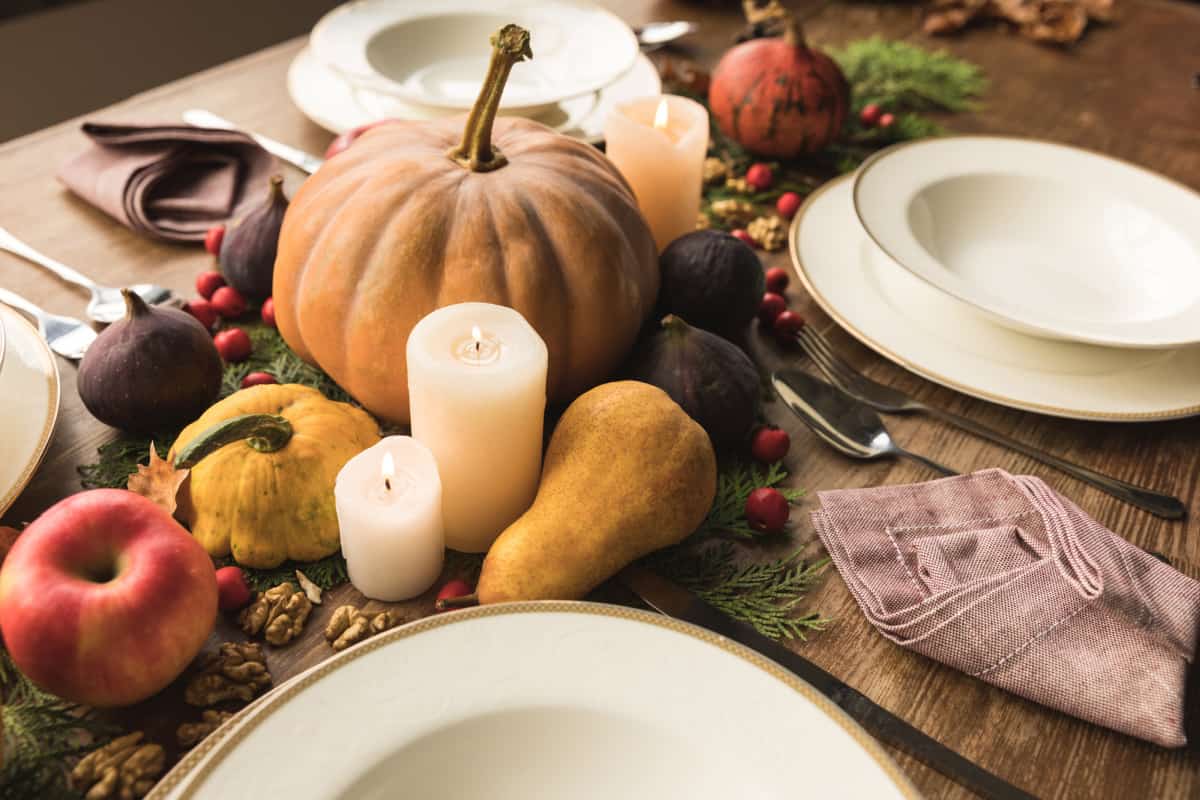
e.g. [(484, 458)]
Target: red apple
[(344, 140), (105, 599)]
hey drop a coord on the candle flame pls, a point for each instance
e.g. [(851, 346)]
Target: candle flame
[(661, 115), (476, 334), (389, 470)]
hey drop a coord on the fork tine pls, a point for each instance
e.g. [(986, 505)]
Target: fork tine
[(822, 361), (835, 363)]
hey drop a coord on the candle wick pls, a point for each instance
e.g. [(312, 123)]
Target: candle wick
[(387, 484)]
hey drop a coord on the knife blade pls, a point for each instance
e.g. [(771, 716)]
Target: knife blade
[(306, 162), (673, 600)]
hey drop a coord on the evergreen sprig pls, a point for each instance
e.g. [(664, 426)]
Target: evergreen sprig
[(735, 482), (899, 77), (328, 572)]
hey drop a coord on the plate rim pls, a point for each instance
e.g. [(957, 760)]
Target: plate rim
[(193, 769), (979, 303), (595, 85), (43, 445), (935, 377)]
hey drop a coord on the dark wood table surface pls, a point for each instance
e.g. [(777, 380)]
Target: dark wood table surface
[(1124, 90)]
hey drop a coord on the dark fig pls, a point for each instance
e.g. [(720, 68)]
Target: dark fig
[(712, 379), (248, 249), (713, 280), (155, 370)]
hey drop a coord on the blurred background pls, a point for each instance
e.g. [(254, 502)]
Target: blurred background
[(160, 40)]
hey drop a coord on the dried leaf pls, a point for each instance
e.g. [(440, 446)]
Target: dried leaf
[(158, 481), (310, 589)]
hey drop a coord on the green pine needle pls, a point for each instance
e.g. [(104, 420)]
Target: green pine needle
[(898, 76), (735, 482), (328, 572)]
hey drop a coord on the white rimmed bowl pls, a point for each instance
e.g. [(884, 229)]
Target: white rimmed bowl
[(438, 56), (1047, 239)]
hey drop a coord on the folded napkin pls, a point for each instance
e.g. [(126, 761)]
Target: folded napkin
[(172, 182), (1000, 577)]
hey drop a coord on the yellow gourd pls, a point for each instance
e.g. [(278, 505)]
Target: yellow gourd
[(264, 489)]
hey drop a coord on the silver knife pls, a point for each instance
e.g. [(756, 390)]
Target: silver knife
[(673, 600), (284, 152)]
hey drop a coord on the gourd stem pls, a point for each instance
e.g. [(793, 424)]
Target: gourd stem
[(462, 601), (510, 45), (774, 12), (265, 433), (134, 305)]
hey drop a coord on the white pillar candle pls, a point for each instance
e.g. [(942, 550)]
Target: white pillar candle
[(389, 507), (659, 145), (477, 397)]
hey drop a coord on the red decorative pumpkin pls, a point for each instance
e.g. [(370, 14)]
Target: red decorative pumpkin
[(778, 97)]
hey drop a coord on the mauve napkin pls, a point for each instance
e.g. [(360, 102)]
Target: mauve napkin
[(172, 182), (1000, 577)]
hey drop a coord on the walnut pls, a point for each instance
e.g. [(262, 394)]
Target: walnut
[(190, 734), (769, 232), (738, 185), (237, 672), (279, 614), (733, 211), (123, 769), (350, 625), (715, 170)]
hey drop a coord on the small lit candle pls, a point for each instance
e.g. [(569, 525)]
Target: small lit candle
[(659, 144), (389, 507), (477, 399)]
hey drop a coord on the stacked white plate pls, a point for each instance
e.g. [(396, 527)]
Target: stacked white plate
[(405, 59), (1031, 274), (29, 392)]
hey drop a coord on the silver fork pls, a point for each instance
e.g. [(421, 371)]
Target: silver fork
[(893, 401), (107, 305), (67, 336)]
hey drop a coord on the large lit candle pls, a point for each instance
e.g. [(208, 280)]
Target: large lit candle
[(389, 507), (659, 144), (477, 397)]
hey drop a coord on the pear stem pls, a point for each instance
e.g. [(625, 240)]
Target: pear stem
[(462, 601), (510, 45)]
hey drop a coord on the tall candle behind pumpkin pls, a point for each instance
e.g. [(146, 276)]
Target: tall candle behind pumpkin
[(477, 398), (659, 144)]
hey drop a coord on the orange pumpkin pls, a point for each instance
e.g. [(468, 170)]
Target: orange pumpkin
[(419, 215)]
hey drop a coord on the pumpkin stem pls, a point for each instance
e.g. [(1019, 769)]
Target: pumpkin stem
[(134, 305), (773, 13), (265, 433), (510, 45)]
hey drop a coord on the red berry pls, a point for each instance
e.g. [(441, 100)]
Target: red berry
[(767, 510), (771, 307), (870, 114), (212, 239), (455, 588), (788, 204), (257, 379), (232, 591), (787, 325), (886, 120), (777, 280), (740, 233), (229, 302), (770, 444), (202, 310), (759, 177), (268, 311), (233, 344), (209, 282)]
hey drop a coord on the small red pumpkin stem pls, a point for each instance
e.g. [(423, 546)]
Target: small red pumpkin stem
[(510, 45), (774, 12)]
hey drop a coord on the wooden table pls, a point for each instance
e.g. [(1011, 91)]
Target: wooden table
[(1124, 90)]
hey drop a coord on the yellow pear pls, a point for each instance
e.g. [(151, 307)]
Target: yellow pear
[(627, 472)]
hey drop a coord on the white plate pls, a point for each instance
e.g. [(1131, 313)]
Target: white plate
[(438, 58), (28, 403), (949, 342), (541, 700), (326, 99), (1047, 238)]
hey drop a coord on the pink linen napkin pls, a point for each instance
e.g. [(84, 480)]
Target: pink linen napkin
[(169, 181), (1000, 577)]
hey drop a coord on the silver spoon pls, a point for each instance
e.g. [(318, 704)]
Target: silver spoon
[(107, 305), (66, 336), (654, 35), (843, 422)]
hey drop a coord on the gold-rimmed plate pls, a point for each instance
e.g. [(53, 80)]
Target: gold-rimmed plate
[(29, 393), (951, 343), (541, 700)]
